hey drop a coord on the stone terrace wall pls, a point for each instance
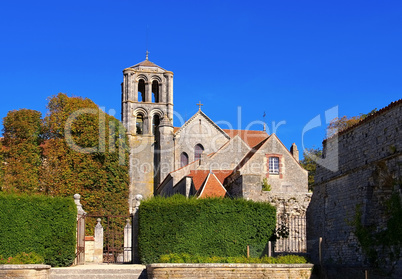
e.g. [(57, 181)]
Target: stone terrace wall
[(370, 155)]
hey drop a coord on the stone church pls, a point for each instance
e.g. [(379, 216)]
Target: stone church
[(200, 158)]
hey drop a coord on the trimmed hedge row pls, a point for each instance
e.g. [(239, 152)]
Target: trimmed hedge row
[(41, 224), (186, 258), (204, 227)]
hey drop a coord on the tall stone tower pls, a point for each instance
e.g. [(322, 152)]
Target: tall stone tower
[(147, 115)]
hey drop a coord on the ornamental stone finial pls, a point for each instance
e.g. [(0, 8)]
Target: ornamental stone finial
[(77, 200)]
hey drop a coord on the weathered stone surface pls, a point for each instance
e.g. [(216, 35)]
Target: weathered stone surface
[(20, 271), (370, 156)]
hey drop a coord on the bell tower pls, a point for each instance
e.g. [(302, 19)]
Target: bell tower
[(147, 101)]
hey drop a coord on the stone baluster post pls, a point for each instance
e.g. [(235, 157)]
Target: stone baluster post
[(134, 216), (80, 249), (98, 247), (127, 242)]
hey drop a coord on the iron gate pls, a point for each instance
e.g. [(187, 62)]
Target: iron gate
[(113, 236)]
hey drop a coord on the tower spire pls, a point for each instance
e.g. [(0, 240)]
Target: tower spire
[(146, 54)]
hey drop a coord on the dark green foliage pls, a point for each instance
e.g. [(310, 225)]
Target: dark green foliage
[(187, 258), (204, 227), (40, 224)]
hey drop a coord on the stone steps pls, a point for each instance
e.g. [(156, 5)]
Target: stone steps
[(126, 271)]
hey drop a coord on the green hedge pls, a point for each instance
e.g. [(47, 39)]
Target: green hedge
[(186, 258), (204, 227), (41, 224)]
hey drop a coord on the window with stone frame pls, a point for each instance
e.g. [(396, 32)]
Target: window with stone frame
[(274, 165)]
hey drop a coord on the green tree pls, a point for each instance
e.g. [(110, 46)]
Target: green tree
[(309, 164), (21, 153)]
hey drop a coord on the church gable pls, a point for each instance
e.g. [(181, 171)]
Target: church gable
[(199, 135), (272, 160), (228, 156)]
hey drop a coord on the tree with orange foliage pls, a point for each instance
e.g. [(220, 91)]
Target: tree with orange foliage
[(339, 124), (21, 152), (76, 148)]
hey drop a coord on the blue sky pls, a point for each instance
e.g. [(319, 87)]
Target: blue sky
[(292, 60)]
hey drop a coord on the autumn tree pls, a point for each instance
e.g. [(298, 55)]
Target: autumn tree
[(309, 164), (85, 152), (339, 124), (20, 152)]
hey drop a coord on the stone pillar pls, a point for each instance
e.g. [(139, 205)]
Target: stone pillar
[(127, 255), (98, 247), (167, 147), (134, 216), (80, 249), (134, 88), (148, 92)]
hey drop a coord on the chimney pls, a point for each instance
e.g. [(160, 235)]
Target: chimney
[(294, 152)]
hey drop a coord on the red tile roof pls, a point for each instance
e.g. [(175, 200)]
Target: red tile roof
[(252, 138), (212, 187), (199, 176), (146, 63)]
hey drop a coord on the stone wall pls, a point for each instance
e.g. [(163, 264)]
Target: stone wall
[(370, 158), (189, 271), (32, 271)]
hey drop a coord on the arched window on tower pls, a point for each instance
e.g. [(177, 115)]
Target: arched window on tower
[(155, 124), (155, 91), (183, 159), (139, 124), (141, 90), (198, 149)]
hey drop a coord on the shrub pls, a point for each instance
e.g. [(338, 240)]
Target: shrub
[(23, 258), (187, 258), (205, 227), (40, 224)]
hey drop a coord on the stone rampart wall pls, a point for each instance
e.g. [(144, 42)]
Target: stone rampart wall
[(370, 158)]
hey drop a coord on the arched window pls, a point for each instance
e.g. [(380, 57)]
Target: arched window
[(155, 124), (155, 91), (141, 90), (183, 159), (198, 149), (139, 124)]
